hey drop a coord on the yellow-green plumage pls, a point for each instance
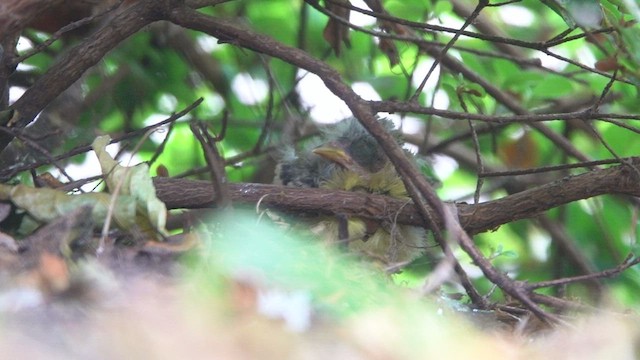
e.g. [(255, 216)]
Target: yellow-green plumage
[(390, 242), (350, 159)]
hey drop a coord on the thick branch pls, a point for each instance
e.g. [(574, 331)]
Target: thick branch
[(78, 60), (230, 31), (15, 14), (394, 106), (183, 193)]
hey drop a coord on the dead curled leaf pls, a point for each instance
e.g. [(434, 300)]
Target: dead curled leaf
[(336, 33), (136, 183), (607, 64), (135, 204), (389, 48)]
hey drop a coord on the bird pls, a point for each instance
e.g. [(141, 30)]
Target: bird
[(347, 157)]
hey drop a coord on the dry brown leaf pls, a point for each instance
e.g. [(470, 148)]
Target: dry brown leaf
[(607, 64), (389, 48), (48, 180), (521, 153), (336, 33)]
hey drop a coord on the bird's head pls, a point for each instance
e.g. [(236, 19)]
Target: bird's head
[(360, 163), (352, 148), (349, 158), (346, 147)]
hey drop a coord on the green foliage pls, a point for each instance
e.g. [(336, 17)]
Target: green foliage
[(159, 79)]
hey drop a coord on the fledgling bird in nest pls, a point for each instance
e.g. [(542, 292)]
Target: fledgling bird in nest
[(350, 159)]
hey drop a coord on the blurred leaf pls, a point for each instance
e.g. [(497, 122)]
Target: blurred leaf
[(335, 32), (551, 87), (607, 64), (410, 10), (520, 153), (587, 13), (442, 7), (470, 89), (389, 48), (241, 246)]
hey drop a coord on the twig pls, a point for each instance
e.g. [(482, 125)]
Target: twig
[(214, 162), (481, 5), (628, 262), (77, 60), (69, 27), (7, 173)]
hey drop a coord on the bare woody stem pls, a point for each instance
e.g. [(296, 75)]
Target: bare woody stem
[(183, 193)]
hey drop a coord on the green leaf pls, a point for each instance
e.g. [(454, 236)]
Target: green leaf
[(586, 13), (557, 7), (551, 87)]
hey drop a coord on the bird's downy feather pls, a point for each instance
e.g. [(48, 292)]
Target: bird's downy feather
[(350, 159)]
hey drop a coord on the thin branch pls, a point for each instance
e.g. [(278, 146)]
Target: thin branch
[(626, 264), (543, 169), (215, 163), (8, 173), (481, 5), (399, 106), (69, 27), (570, 251), (540, 46)]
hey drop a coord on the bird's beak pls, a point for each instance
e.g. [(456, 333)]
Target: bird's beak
[(333, 152)]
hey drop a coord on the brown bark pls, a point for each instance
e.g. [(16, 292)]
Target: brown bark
[(622, 179), (16, 14)]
